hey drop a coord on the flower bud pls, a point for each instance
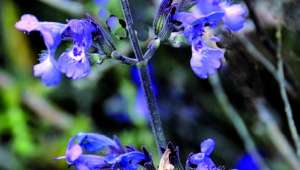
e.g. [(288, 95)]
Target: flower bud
[(162, 22), (103, 40)]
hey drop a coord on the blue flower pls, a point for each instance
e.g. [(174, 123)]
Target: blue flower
[(92, 143), (198, 29), (247, 162), (206, 61), (206, 56), (128, 161), (202, 160), (90, 151), (51, 33), (194, 28), (74, 62), (234, 14), (90, 162)]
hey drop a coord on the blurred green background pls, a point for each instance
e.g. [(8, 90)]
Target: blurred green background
[(36, 121)]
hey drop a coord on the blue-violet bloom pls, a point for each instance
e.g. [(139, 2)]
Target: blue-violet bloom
[(51, 33), (74, 62), (90, 151), (198, 26), (202, 160), (234, 14)]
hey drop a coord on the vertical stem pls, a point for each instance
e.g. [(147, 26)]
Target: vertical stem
[(236, 120), (276, 137), (145, 80), (283, 92)]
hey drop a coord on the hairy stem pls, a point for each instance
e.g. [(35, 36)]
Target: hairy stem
[(145, 80)]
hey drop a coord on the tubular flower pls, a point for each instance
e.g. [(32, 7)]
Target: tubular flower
[(201, 160), (198, 26), (51, 33), (234, 14), (74, 62), (90, 151)]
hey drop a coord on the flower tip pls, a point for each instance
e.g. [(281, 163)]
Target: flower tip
[(27, 23), (207, 146), (73, 153), (235, 16)]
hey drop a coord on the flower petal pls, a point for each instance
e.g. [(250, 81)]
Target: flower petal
[(235, 16), (80, 30), (51, 31), (73, 153), (206, 61), (74, 63), (208, 6), (27, 23), (208, 146), (46, 69), (128, 160), (90, 162), (92, 142)]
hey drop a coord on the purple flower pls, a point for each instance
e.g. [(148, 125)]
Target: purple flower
[(74, 62), (51, 33), (128, 161), (92, 143), (206, 61), (234, 14), (90, 151), (47, 70), (90, 162), (206, 56), (198, 31), (194, 28), (201, 160)]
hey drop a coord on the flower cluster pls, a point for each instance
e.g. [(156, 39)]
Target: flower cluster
[(74, 62), (90, 151), (198, 25)]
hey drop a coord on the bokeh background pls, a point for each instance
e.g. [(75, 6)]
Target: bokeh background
[(36, 121)]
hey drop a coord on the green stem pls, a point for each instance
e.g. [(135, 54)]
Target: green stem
[(275, 135), (283, 92), (236, 120)]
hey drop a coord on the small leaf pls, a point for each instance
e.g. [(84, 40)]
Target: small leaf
[(162, 20)]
